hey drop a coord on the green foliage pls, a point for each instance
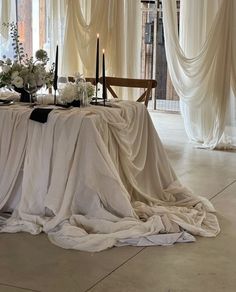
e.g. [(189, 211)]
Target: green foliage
[(24, 70)]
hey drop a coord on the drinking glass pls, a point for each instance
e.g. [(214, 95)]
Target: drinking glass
[(31, 89)]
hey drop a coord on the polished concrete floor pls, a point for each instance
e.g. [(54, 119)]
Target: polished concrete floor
[(32, 263)]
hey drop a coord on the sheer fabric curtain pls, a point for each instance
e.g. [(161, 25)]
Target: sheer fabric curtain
[(5, 8), (56, 28), (7, 15), (200, 66), (125, 41), (82, 27), (119, 26), (231, 126)]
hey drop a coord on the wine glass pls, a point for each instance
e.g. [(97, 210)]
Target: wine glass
[(31, 88)]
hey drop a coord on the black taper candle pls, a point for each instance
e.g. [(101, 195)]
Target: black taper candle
[(104, 87), (97, 62), (55, 75)]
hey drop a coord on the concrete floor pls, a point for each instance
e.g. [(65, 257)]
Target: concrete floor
[(32, 263)]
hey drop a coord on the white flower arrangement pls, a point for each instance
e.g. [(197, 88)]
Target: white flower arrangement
[(69, 92), (23, 71), (78, 90)]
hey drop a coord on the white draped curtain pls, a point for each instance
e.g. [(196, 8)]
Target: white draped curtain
[(57, 15), (5, 8), (81, 34), (118, 23), (201, 62), (7, 15)]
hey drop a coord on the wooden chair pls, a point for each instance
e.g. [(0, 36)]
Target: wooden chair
[(90, 79), (71, 78), (147, 84)]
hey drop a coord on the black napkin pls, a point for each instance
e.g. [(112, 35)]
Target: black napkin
[(40, 114)]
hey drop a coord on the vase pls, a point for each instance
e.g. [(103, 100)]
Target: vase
[(24, 95), (31, 89)]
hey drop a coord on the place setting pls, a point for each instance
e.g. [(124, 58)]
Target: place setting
[(28, 86)]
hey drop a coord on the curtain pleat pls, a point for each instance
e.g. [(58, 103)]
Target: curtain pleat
[(5, 9), (119, 26), (200, 62)]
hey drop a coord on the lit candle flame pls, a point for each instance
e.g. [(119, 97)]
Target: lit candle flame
[(98, 35), (103, 51)]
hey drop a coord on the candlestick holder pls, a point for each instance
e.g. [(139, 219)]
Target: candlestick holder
[(96, 92), (55, 97)]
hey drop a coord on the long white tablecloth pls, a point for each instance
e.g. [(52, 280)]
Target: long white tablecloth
[(93, 178)]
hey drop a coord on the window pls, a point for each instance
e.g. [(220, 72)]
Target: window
[(153, 62), (33, 26)]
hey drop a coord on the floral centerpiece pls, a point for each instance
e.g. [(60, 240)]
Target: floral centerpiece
[(79, 92), (24, 74)]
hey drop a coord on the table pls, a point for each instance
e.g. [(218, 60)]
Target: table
[(93, 178)]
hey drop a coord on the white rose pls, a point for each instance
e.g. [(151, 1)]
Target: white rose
[(14, 75), (90, 89), (39, 81), (30, 81), (69, 92), (6, 68), (18, 82)]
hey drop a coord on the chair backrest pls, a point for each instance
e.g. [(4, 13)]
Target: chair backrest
[(71, 78), (91, 79), (146, 84)]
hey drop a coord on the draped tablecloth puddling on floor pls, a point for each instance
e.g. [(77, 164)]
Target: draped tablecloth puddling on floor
[(93, 178)]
